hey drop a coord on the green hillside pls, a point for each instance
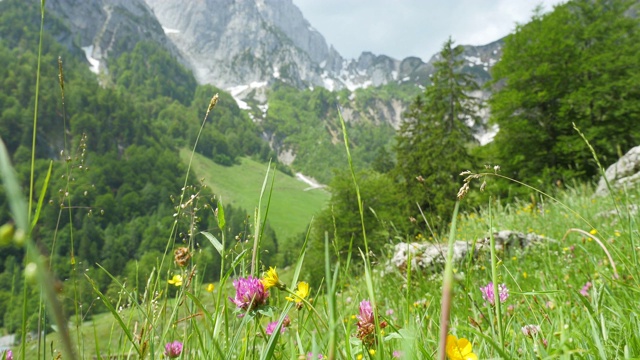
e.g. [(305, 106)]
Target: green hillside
[(291, 206)]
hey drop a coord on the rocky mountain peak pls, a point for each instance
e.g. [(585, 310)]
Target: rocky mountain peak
[(239, 44), (232, 43)]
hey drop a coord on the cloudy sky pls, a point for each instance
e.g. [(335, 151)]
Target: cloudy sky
[(401, 28)]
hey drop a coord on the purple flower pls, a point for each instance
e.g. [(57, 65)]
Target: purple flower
[(173, 349), (397, 354), (250, 294), (487, 293), (530, 330), (310, 356), (366, 323), (585, 289), (8, 355), (271, 327), (366, 313)]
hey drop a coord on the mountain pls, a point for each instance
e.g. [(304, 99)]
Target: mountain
[(108, 28), (243, 45), (253, 49)]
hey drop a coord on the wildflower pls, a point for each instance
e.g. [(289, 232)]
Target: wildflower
[(176, 280), (550, 305), (530, 330), (250, 294), (271, 327), (366, 323), (525, 275), (617, 233), (593, 231), (181, 256), (8, 355), (300, 294), (389, 312), (310, 356), (397, 354), (488, 295), (271, 279), (372, 352), (585, 289), (210, 288), (173, 349), (459, 349)]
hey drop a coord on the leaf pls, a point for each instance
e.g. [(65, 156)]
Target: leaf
[(34, 221), (215, 242)]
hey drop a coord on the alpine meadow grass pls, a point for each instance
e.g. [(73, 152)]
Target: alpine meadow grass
[(573, 296)]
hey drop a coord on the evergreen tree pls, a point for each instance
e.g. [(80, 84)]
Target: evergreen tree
[(433, 141)]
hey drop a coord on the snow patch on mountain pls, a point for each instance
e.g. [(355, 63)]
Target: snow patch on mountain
[(170, 31), (94, 65)]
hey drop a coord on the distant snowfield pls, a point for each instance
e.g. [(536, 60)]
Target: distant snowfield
[(166, 30), (94, 65), (237, 90), (313, 184)]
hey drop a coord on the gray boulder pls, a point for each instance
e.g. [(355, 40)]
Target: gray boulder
[(428, 256), (624, 173)]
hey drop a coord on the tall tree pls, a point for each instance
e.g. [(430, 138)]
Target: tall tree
[(578, 64), (433, 140)]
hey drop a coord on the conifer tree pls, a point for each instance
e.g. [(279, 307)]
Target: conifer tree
[(434, 138)]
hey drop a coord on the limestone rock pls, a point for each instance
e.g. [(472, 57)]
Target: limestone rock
[(428, 256), (625, 172)]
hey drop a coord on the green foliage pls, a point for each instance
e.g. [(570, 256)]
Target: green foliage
[(306, 122), (577, 64), (433, 141), (150, 72), (116, 166), (341, 219)]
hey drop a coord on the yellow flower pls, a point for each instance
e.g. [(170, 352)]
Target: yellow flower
[(372, 352), (359, 357), (301, 293), (525, 275), (210, 287), (593, 231), (176, 280), (271, 279), (459, 349), (616, 233)]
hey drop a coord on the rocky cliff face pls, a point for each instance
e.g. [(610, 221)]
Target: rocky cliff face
[(107, 28), (236, 43)]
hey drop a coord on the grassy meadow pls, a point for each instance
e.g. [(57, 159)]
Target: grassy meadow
[(291, 208), (564, 300)]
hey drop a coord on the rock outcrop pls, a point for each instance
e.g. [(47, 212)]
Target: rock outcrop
[(428, 256), (624, 173)]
